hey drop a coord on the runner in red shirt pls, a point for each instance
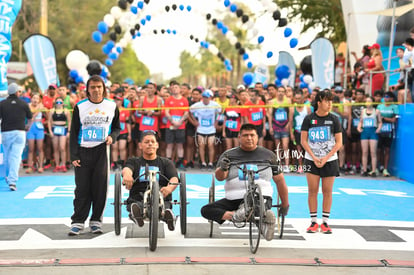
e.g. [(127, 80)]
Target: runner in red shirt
[(48, 102), (232, 123), (119, 148), (163, 126), (150, 109), (256, 114)]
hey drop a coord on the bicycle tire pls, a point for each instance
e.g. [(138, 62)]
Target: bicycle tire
[(154, 210), (117, 203), (280, 220), (256, 218), (211, 198), (183, 204)]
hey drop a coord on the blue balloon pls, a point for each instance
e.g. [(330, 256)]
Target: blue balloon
[(233, 7), (248, 78), (109, 62), (245, 56), (119, 49), (110, 44), (113, 56), (103, 27), (219, 25), (148, 17), (226, 3), (106, 49), (181, 7), (287, 32), (282, 71), (206, 44), (301, 78), (227, 62), (224, 30), (79, 79), (174, 32), (269, 54), (303, 85), (143, 22), (202, 44), (249, 65), (260, 39), (168, 31), (189, 8), (73, 74), (229, 68), (134, 9), (278, 82), (140, 4), (293, 42), (104, 71), (97, 36)]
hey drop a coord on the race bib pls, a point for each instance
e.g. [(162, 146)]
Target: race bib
[(93, 134), (386, 128), (147, 121), (59, 130), (206, 122), (319, 134), (220, 117), (355, 122), (122, 126), (231, 124), (176, 118), (368, 122), (39, 125), (142, 177), (257, 116), (249, 167), (280, 115), (164, 120)]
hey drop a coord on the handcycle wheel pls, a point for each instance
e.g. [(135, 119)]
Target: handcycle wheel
[(183, 204), (117, 203), (154, 212), (255, 204), (211, 198), (280, 220)]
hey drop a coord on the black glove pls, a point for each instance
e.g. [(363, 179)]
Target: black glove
[(283, 211), (225, 164)]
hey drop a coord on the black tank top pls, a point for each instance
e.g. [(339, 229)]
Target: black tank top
[(59, 117)]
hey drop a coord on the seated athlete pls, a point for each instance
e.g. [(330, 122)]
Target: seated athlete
[(135, 167), (232, 207)]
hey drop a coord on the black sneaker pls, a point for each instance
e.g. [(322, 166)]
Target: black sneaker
[(210, 166), (169, 219), (96, 229), (203, 166), (136, 214), (364, 174)]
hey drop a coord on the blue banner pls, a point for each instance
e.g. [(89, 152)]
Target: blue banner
[(40, 52), (8, 13), (286, 59), (323, 62)]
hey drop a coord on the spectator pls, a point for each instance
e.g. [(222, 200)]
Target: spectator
[(353, 133), (363, 60), (190, 149), (13, 113), (374, 67), (408, 59), (255, 113), (232, 123)]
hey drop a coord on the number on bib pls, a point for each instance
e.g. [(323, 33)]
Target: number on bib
[(386, 128), (280, 115), (231, 124), (206, 122), (58, 130), (368, 122), (147, 121), (355, 122), (257, 116), (93, 134), (319, 134)]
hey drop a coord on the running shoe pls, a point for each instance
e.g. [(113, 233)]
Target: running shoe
[(63, 169), (364, 174), (300, 169), (240, 214), (12, 187), (74, 231), (210, 166), (136, 215), (57, 169), (372, 174), (286, 169), (96, 229), (29, 170), (203, 166), (169, 219), (269, 225), (47, 165), (352, 171), (313, 228), (40, 170), (325, 229), (385, 173)]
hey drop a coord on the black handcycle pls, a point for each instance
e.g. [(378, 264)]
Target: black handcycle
[(153, 204), (253, 202)]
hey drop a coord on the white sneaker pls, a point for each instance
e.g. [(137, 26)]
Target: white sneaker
[(269, 225), (286, 169), (240, 214)]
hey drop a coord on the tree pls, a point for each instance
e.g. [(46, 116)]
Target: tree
[(326, 14)]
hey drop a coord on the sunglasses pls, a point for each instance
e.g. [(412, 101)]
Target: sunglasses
[(59, 102)]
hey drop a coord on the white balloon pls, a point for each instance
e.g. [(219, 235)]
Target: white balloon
[(109, 20), (213, 49), (255, 32), (272, 6), (75, 60), (307, 78), (312, 85), (249, 25), (285, 81), (116, 12), (84, 74), (123, 43), (233, 40)]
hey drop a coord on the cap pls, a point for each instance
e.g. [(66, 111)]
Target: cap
[(52, 87), (241, 87), (338, 89), (375, 46), (13, 88), (118, 98), (207, 93)]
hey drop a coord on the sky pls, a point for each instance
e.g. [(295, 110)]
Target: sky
[(161, 52)]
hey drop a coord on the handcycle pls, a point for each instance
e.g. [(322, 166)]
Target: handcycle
[(153, 204), (253, 202)]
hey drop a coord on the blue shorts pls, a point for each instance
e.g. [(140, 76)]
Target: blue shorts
[(369, 133), (280, 135), (36, 131)]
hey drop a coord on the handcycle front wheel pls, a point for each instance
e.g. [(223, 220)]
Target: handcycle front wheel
[(183, 204), (255, 205), (117, 203), (211, 198), (154, 212), (280, 220)]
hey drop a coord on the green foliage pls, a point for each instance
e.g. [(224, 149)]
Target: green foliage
[(326, 14)]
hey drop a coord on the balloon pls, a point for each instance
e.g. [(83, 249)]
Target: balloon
[(282, 71), (140, 4), (312, 85), (116, 12), (248, 78), (113, 56), (119, 49), (287, 32), (245, 18), (148, 17), (110, 44), (134, 9), (233, 7), (109, 62), (143, 22), (285, 82), (73, 74), (276, 15), (174, 6), (112, 36), (293, 42), (307, 79), (208, 16), (224, 30), (189, 8), (245, 56), (306, 65), (249, 65), (137, 27), (146, 1), (103, 27), (109, 20), (94, 67), (106, 49), (122, 4), (278, 82), (233, 40), (97, 36), (242, 51), (118, 29), (174, 32), (76, 59), (239, 12), (303, 85), (226, 3), (104, 72), (79, 79), (219, 25), (214, 21), (282, 22), (181, 7), (167, 8), (260, 39), (269, 54), (227, 62)]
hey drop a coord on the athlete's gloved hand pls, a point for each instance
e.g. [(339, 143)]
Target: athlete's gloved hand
[(225, 164), (284, 211)]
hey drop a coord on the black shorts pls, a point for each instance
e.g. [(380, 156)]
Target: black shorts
[(355, 138), (231, 134), (175, 136), (123, 136), (384, 142), (190, 131), (330, 169), (268, 136), (135, 133), (259, 129), (344, 137), (162, 134), (297, 137)]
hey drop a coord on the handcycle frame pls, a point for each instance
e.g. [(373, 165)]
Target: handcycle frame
[(254, 207), (153, 203)]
